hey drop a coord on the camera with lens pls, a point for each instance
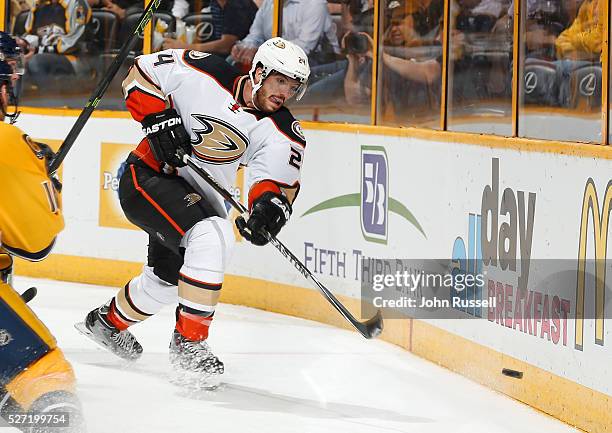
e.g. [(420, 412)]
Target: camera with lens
[(356, 43)]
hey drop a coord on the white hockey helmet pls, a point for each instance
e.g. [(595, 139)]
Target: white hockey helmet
[(284, 57)]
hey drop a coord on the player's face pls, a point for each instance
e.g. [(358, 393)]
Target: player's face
[(275, 91)]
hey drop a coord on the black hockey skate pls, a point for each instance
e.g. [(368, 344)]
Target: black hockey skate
[(193, 364), (121, 343)]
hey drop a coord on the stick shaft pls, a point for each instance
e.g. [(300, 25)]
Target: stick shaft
[(103, 84), (366, 330)]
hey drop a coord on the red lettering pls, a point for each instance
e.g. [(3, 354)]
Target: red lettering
[(518, 312), (545, 320), (556, 305), (527, 314), (491, 294), (537, 311), (499, 289), (508, 306), (565, 308)]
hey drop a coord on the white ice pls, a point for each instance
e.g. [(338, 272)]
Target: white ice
[(283, 375)]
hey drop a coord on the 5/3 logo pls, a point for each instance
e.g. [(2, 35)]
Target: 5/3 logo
[(374, 193), (374, 201)]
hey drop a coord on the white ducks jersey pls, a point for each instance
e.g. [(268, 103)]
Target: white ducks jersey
[(206, 92)]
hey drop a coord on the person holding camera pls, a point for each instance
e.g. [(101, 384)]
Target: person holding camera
[(328, 79), (306, 23), (235, 16)]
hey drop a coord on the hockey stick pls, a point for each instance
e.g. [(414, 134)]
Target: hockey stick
[(29, 294), (97, 94), (370, 328)]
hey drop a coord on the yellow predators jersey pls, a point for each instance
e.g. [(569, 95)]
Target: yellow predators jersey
[(31, 364), (30, 206)]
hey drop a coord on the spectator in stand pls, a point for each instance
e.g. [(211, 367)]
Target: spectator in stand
[(403, 78), (54, 30), (16, 7), (232, 20), (121, 8), (583, 39), (410, 85), (325, 85), (546, 19), (423, 18), (579, 45), (306, 23)]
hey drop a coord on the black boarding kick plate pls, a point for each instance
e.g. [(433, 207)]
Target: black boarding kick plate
[(512, 373)]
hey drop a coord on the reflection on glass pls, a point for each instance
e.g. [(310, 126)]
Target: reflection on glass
[(410, 74), (480, 67), (560, 92), (340, 56), (69, 46)]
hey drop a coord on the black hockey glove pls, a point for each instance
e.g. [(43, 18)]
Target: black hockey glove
[(166, 135), (270, 213)]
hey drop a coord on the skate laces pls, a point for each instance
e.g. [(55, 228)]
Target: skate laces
[(123, 339), (200, 348)]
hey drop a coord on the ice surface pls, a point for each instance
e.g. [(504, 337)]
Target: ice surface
[(283, 375)]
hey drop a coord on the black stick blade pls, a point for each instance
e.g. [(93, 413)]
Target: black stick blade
[(373, 327), (29, 294)]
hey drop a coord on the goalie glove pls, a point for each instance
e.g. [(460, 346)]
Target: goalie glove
[(270, 213), (167, 135)]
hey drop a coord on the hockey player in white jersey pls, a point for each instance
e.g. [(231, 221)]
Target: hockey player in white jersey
[(198, 103)]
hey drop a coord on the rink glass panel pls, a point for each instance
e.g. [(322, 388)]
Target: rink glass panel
[(560, 74), (410, 64), (340, 84), (480, 68), (67, 81)]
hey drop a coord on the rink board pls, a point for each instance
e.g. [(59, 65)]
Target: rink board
[(433, 192)]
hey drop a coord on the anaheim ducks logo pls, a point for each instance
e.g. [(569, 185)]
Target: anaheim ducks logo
[(197, 55), (279, 44), (217, 142), (192, 198)]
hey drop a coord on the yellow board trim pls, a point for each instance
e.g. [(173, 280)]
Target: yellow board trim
[(492, 141), (561, 398), (74, 112)]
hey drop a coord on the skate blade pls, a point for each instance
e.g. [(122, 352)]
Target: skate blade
[(86, 332), (195, 381)]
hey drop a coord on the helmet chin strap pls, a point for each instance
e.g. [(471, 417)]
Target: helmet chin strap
[(255, 87)]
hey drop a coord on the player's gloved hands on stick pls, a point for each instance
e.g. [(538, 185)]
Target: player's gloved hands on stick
[(166, 135), (270, 212)]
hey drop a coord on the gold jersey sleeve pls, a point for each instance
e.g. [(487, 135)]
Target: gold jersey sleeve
[(30, 206)]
